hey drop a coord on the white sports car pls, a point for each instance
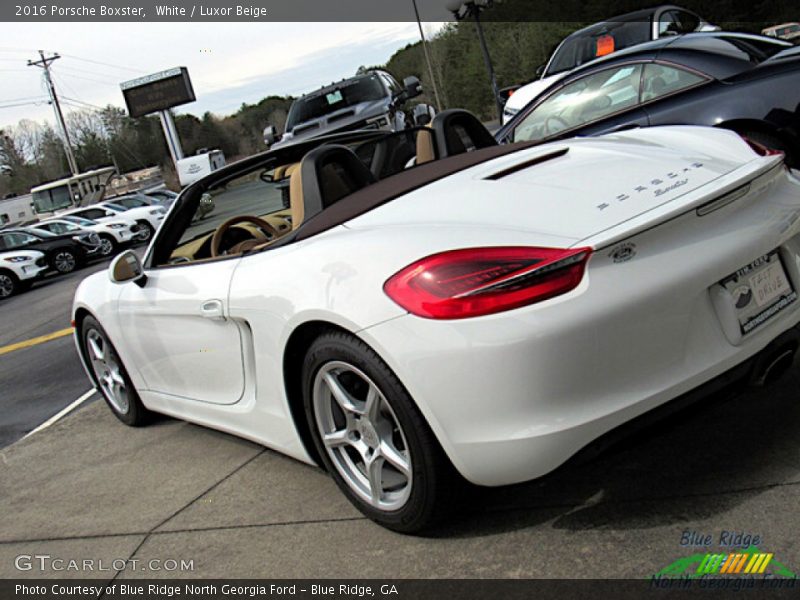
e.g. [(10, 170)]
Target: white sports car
[(409, 307)]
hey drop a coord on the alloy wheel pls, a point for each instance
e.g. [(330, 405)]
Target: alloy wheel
[(107, 371), (64, 262), (6, 285), (106, 246), (362, 436)]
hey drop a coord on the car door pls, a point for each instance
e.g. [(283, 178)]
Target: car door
[(599, 102), (179, 334)]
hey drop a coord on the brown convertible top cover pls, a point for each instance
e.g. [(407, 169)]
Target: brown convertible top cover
[(397, 185)]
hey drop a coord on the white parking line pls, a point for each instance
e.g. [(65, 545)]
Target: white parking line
[(62, 413)]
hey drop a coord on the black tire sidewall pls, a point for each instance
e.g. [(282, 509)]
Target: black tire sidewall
[(430, 468), (137, 413)]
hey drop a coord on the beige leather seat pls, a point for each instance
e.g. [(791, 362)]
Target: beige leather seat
[(296, 202), (425, 148)]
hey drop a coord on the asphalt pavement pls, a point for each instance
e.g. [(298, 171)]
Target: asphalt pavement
[(131, 500)]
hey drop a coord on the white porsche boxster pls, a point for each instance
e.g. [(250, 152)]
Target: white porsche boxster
[(409, 309)]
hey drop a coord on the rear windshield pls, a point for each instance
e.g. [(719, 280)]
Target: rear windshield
[(348, 94), (748, 49), (610, 37)]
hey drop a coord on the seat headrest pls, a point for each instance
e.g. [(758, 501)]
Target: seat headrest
[(457, 131), (328, 174)]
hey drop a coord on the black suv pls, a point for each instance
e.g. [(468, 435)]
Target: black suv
[(64, 252)]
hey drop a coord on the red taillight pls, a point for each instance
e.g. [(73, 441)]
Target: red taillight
[(480, 281), (761, 149)]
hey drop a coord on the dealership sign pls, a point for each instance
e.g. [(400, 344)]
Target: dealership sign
[(158, 91)]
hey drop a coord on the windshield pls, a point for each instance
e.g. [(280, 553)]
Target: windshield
[(349, 93), (42, 233), (115, 207), (52, 199), (790, 29), (598, 41)]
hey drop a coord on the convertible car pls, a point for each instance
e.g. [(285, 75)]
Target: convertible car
[(747, 83), (416, 308)]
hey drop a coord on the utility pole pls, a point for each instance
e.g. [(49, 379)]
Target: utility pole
[(428, 59), (44, 63)]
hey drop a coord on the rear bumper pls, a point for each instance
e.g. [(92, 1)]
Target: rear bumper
[(510, 412)]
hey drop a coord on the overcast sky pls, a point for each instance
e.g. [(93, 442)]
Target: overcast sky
[(229, 63)]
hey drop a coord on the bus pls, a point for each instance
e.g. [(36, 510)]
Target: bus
[(79, 190)]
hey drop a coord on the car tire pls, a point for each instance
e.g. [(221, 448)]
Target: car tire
[(108, 245), (147, 228), (110, 376), (63, 260), (9, 284), (389, 442), (774, 143)]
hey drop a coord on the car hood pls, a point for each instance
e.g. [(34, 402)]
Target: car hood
[(32, 254), (351, 117), (578, 189)]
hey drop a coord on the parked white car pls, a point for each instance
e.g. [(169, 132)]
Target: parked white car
[(19, 269), (148, 218), (602, 39), (484, 314), (112, 234)]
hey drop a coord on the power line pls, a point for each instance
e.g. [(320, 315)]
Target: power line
[(89, 104), (21, 99), (106, 82), (23, 104), (105, 64)]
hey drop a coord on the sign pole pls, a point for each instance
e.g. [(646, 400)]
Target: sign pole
[(171, 135)]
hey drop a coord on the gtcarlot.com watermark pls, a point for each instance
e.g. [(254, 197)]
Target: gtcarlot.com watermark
[(46, 563)]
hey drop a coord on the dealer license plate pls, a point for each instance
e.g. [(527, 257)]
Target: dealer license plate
[(760, 291)]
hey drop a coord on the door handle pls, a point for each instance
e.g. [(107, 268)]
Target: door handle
[(213, 309)]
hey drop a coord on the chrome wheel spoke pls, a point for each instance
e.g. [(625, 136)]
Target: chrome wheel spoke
[(337, 438), (117, 377), (98, 352), (374, 468), (340, 394), (395, 458), (372, 405)]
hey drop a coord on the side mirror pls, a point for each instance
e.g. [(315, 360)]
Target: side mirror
[(270, 135), (411, 87), (540, 71), (127, 267)]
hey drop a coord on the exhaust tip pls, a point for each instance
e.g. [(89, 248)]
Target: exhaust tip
[(772, 365)]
